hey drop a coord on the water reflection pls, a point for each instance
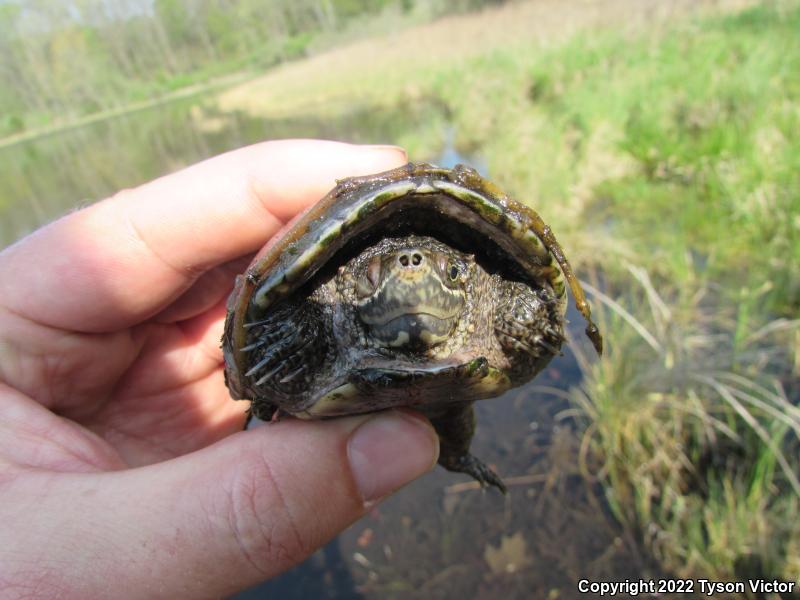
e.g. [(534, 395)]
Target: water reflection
[(450, 155), (43, 178), (324, 576)]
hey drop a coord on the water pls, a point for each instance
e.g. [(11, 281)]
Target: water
[(46, 177), (450, 156), (440, 537)]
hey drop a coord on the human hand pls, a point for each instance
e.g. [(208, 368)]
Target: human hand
[(123, 468)]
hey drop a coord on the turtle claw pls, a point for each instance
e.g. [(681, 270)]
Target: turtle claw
[(479, 471)]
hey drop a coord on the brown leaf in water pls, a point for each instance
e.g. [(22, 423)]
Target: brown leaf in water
[(365, 538), (510, 556)]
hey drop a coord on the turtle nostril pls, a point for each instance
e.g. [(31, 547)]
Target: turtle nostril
[(411, 258)]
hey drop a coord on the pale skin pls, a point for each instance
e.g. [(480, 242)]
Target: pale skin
[(123, 469)]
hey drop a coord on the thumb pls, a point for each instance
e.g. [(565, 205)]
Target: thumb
[(236, 513)]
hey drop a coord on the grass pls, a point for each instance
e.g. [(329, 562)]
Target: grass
[(683, 145), (157, 86), (679, 142), (698, 437)]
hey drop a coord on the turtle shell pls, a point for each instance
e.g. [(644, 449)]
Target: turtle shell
[(458, 205)]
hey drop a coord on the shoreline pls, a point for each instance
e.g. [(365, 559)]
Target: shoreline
[(219, 83)]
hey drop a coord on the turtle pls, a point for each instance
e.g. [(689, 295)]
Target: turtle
[(419, 287)]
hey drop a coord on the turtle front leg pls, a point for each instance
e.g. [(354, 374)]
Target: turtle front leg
[(455, 427), (528, 326), (286, 351)]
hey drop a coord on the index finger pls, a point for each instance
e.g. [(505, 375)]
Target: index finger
[(121, 260)]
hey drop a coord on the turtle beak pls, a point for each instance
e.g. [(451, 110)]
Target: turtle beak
[(411, 305)]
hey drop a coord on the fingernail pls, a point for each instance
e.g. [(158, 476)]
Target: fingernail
[(389, 148), (388, 451)]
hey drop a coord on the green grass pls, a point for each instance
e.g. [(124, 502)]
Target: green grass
[(714, 139), (698, 439), (683, 144), (677, 151)]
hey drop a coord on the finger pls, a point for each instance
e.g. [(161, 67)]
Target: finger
[(210, 289), (222, 519), (151, 429), (78, 374), (33, 437), (176, 355), (122, 260)]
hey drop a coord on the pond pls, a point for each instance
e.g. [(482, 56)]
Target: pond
[(440, 537), (43, 178)]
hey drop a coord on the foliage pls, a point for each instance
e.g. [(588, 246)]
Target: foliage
[(60, 59), (681, 144), (697, 435)]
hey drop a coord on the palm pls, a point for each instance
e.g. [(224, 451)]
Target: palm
[(170, 401), (160, 392)]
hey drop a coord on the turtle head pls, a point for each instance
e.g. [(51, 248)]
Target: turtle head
[(410, 293)]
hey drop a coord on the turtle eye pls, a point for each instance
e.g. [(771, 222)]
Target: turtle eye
[(453, 271)]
